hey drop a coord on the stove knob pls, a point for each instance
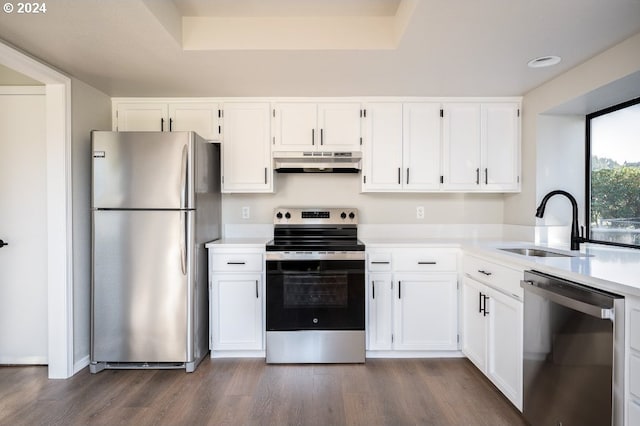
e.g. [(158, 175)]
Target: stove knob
[(352, 215), (287, 215), (279, 215), (343, 215)]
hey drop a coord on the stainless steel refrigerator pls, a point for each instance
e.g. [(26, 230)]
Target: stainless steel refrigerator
[(155, 203)]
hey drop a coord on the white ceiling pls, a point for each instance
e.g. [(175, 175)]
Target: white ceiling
[(448, 48)]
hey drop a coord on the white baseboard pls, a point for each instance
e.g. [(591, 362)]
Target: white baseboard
[(80, 364), (23, 360), (414, 354)]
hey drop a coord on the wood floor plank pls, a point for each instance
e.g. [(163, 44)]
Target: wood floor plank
[(250, 392)]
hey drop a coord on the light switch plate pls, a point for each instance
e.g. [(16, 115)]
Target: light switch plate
[(246, 212), (420, 212)]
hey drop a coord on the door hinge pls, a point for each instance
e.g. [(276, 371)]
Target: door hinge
[(441, 113)]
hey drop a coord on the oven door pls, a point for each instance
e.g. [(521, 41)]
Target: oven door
[(315, 294)]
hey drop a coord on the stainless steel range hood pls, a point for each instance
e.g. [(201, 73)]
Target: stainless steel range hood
[(317, 162)]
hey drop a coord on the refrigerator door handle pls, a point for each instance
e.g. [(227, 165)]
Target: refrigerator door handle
[(183, 178), (183, 241)]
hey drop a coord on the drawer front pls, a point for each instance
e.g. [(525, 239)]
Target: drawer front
[(425, 260), (237, 262), (497, 276), (379, 262), (634, 329), (634, 375)]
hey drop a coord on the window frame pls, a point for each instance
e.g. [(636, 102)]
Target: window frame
[(587, 187)]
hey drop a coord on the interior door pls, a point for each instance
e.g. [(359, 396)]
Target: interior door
[(23, 218)]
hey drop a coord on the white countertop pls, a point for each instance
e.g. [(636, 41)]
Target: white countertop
[(614, 269), (257, 242)]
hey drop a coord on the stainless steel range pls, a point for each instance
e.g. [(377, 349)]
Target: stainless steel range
[(315, 287)]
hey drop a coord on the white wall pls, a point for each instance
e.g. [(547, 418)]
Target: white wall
[(312, 189), (539, 144), (90, 110)]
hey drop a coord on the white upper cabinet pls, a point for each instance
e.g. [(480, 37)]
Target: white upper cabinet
[(306, 126), (147, 117), (501, 146), (402, 147), (383, 148), (481, 147), (421, 150), (200, 117), (246, 165), (461, 146)]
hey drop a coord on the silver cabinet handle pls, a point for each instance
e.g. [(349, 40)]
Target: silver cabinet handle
[(265, 175), (399, 181), (428, 263), (373, 289), (486, 176), (483, 272), (257, 295), (379, 263), (477, 176), (407, 176), (321, 136), (235, 263), (399, 289), (313, 136)]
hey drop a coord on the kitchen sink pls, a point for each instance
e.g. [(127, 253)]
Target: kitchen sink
[(535, 252)]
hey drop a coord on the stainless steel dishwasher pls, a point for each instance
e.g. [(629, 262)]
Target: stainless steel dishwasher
[(573, 353)]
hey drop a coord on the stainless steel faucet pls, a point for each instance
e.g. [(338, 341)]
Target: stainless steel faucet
[(576, 239)]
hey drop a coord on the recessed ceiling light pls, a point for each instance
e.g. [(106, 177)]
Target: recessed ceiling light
[(543, 61)]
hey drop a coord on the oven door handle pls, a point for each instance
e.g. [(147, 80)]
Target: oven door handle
[(593, 310)]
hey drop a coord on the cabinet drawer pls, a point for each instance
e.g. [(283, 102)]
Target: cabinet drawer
[(425, 260), (379, 262), (634, 375), (237, 262), (634, 329), (497, 276)]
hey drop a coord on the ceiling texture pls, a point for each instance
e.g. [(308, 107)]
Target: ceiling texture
[(318, 47)]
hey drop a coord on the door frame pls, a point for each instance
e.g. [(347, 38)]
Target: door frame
[(59, 219)]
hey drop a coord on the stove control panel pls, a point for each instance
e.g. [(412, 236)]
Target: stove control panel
[(315, 216)]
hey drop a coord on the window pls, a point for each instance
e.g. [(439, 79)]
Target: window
[(613, 175)]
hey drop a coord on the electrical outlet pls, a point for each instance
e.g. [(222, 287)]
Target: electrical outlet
[(246, 212), (420, 212)]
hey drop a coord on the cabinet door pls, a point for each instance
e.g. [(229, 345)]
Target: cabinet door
[(236, 312), (426, 312), (201, 118), (505, 345), (461, 146), (151, 117), (295, 126), (474, 324), (379, 326), (500, 147), (339, 126), (421, 146), (383, 147), (246, 165)]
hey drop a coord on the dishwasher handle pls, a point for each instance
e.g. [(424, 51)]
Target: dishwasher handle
[(589, 308)]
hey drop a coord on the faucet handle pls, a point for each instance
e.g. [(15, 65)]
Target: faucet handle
[(582, 233)]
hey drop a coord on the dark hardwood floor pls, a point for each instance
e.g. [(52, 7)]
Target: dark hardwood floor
[(249, 392)]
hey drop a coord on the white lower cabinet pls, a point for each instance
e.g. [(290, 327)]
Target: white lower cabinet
[(236, 315), (408, 310), (236, 295), (492, 328)]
